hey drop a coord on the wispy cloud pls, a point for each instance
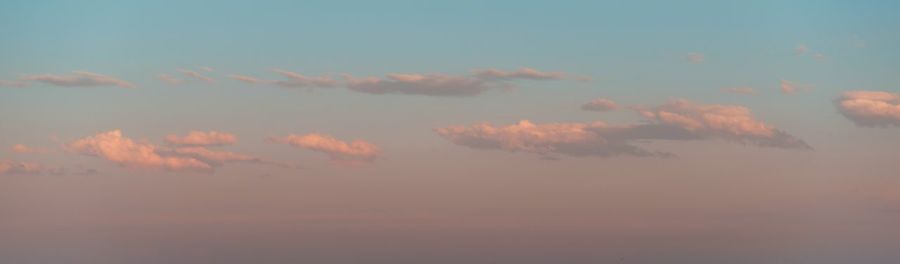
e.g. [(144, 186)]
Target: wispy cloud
[(340, 151), (10, 167), (78, 79), (201, 138), (600, 105), (789, 87)]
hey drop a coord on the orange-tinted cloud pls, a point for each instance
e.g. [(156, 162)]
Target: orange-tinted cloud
[(682, 119), (788, 87), (677, 120), (114, 147), (78, 79), (547, 140), (201, 138), (214, 157), (600, 105), (338, 150), (870, 108), (23, 149)]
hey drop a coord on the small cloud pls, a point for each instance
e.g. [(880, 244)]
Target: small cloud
[(600, 105), (695, 57), (78, 79), (23, 149), (870, 108), (788, 87), (739, 90), (207, 69), (196, 75), (819, 56), (800, 50), (350, 153), (170, 79), (523, 73)]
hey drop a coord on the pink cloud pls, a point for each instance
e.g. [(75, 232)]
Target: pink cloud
[(170, 79), (421, 84), (249, 79), (299, 80), (685, 119), (870, 108), (338, 150), (214, 157), (788, 87), (78, 79), (678, 120), (600, 105), (13, 84), (201, 138), (114, 147), (800, 50)]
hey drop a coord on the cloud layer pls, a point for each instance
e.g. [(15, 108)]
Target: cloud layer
[(600, 105), (870, 108)]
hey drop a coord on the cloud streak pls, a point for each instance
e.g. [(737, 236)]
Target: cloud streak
[(201, 138), (78, 79), (352, 152), (600, 105)]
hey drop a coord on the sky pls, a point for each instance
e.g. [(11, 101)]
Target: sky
[(449, 132)]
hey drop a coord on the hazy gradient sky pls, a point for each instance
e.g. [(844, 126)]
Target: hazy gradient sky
[(392, 132)]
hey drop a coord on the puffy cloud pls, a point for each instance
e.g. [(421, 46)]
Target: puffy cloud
[(870, 108), (200, 138), (547, 140), (421, 84), (9, 167), (523, 73), (78, 79), (114, 147), (600, 105), (695, 57), (681, 119), (338, 150), (739, 90)]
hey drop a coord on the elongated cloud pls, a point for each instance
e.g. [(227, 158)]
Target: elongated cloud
[(78, 79), (789, 87), (114, 147), (523, 73), (170, 79), (294, 80), (419, 84), (600, 105), (196, 75), (338, 150), (23, 149), (870, 108), (682, 119), (678, 120), (214, 157), (10, 167), (739, 90), (201, 138)]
